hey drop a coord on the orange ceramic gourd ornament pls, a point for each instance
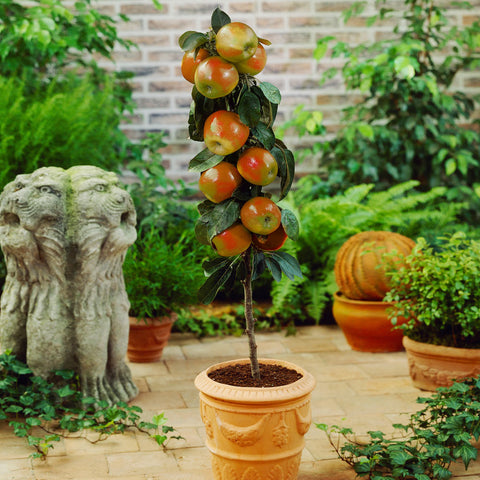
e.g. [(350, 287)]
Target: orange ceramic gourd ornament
[(358, 270)]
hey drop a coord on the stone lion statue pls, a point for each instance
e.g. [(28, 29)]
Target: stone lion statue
[(64, 234)]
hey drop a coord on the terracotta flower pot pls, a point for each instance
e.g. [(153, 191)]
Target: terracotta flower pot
[(255, 433), (433, 366), (147, 339), (366, 325)]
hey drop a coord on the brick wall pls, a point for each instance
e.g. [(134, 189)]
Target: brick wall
[(293, 27)]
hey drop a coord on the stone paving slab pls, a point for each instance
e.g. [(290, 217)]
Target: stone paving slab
[(364, 391)]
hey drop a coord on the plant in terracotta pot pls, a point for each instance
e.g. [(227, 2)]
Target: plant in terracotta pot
[(256, 411), (159, 279), (360, 273), (438, 290)]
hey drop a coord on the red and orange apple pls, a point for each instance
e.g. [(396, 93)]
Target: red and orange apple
[(260, 215)]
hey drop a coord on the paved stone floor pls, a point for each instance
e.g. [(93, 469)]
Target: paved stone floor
[(364, 391)]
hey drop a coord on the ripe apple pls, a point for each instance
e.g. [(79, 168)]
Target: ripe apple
[(255, 64), (257, 166), (260, 215), (190, 63), (271, 242), (224, 133), (232, 241), (215, 77), (219, 182), (236, 42)]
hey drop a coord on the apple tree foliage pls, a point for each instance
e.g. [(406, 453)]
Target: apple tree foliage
[(256, 103)]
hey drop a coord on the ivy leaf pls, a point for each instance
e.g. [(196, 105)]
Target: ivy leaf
[(219, 19), (204, 160), (208, 291), (287, 263), (271, 92), (466, 452), (264, 134), (249, 109), (191, 40), (290, 224)]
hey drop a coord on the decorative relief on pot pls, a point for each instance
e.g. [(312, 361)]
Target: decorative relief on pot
[(276, 473), (303, 421), (229, 473), (206, 420), (243, 436), (250, 474), (292, 468), (443, 378), (217, 469), (280, 432)]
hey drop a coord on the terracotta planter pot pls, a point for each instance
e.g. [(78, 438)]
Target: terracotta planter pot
[(147, 340), (255, 433), (433, 366), (366, 325)]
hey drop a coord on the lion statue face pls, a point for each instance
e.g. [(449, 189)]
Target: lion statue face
[(35, 201)]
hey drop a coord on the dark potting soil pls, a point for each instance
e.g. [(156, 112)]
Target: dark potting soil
[(240, 375)]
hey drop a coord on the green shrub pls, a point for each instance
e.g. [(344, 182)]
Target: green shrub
[(65, 124), (328, 222), (410, 122), (439, 291)]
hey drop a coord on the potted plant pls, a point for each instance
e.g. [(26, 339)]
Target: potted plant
[(159, 279), (438, 290), (358, 307), (255, 411)]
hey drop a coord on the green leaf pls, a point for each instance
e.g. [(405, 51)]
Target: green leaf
[(219, 19), (288, 264), (208, 291), (249, 109), (211, 266), (466, 452), (157, 4), (271, 92), (65, 391), (290, 224), (274, 268), (204, 160), (264, 134), (221, 216), (450, 166), (191, 40), (286, 167), (365, 130)]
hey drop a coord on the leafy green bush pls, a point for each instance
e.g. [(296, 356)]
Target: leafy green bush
[(328, 222), (410, 123), (32, 406), (436, 437), (439, 291), (64, 124), (44, 40), (160, 277)]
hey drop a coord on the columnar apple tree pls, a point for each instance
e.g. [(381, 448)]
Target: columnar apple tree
[(233, 113)]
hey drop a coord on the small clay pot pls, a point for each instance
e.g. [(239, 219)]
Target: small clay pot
[(366, 325), (148, 337)]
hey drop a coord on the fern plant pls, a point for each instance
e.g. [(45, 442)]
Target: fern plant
[(63, 125), (328, 222)]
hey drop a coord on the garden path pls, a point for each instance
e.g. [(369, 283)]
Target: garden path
[(364, 391)]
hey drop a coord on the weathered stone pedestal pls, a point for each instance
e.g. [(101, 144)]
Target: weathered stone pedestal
[(64, 234)]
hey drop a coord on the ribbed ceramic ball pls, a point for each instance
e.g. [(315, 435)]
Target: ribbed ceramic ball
[(358, 266)]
